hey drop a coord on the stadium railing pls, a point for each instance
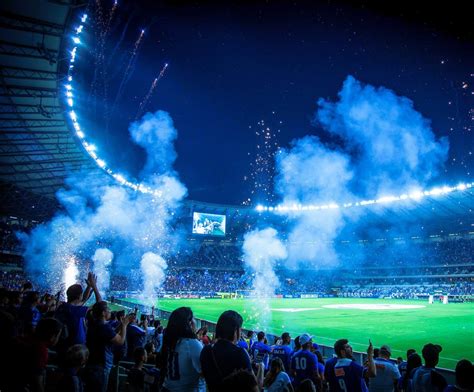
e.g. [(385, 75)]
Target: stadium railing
[(326, 351)]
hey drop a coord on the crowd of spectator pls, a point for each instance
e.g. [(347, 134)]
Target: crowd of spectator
[(51, 345)]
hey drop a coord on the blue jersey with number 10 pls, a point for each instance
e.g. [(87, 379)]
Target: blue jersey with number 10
[(305, 365)]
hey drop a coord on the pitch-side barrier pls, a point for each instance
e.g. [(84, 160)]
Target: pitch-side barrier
[(326, 351)]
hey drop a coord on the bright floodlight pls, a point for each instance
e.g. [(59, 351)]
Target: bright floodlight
[(76, 40)]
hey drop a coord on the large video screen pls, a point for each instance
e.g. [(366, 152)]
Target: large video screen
[(208, 224)]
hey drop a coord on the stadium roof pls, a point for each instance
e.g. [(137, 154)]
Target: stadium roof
[(37, 149)]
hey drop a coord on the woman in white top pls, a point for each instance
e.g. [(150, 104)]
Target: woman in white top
[(180, 366), (277, 380)]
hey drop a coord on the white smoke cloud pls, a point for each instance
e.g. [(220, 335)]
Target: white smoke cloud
[(386, 146), (392, 145), (311, 173), (98, 210), (155, 132), (153, 269), (102, 260), (262, 249)]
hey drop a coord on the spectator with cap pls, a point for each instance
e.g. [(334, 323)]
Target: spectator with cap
[(387, 372), (304, 364), (221, 359), (426, 378), (464, 377)]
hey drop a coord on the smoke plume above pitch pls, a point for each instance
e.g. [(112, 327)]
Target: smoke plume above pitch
[(102, 260), (153, 268), (262, 250), (100, 213), (375, 143)]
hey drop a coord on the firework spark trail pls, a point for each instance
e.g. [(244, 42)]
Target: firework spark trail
[(109, 21), (120, 40), (128, 70), (148, 96)]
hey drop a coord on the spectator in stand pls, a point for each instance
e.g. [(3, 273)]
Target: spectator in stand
[(402, 367), (28, 314), (413, 363), (249, 340), (100, 339), (157, 337), (202, 336), (136, 375), (388, 375), (224, 357), (304, 364), (306, 386), (74, 360), (320, 364), (426, 378), (150, 353), (297, 345), (241, 381), (73, 313), (26, 366), (283, 351), (344, 374), (260, 351), (277, 380), (464, 377), (136, 336), (180, 367)]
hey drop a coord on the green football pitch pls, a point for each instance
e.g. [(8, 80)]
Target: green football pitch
[(401, 324)]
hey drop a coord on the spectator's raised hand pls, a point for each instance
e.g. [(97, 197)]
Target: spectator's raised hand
[(91, 280)]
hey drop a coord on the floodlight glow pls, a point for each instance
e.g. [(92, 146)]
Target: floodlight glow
[(73, 116), (84, 18), (101, 163), (70, 102), (68, 87), (79, 29), (76, 40), (90, 147), (68, 94), (80, 134)]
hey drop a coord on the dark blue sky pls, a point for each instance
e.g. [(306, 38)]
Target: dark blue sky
[(232, 65)]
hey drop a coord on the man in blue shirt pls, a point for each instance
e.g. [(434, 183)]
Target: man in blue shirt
[(426, 378), (343, 374), (136, 336), (260, 351), (304, 364), (387, 372), (283, 351), (100, 339)]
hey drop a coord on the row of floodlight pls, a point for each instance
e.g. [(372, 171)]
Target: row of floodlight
[(415, 195)]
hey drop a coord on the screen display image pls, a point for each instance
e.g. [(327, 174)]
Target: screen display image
[(208, 224)]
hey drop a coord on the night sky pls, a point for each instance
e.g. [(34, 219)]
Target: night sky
[(233, 66)]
